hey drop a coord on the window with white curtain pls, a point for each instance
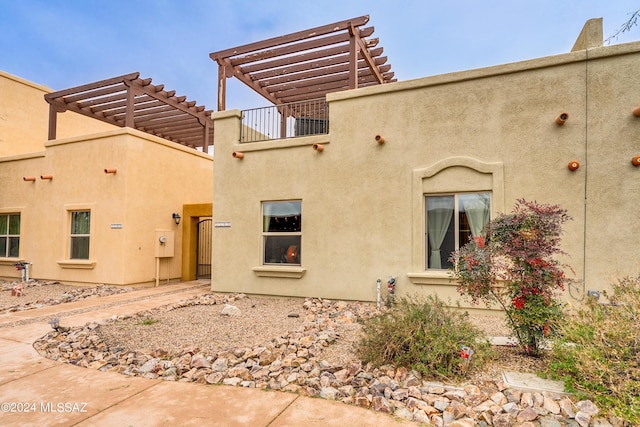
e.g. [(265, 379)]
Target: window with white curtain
[(282, 232), (452, 220), (80, 234)]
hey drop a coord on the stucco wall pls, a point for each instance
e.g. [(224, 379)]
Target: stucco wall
[(491, 129), (154, 179), (24, 117)]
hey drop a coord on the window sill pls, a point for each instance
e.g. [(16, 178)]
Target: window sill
[(10, 261), (78, 264), (441, 277), (277, 271)]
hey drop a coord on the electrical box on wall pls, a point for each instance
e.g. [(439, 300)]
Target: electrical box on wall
[(164, 243)]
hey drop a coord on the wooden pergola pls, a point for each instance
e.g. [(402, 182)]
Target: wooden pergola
[(133, 102), (306, 65)]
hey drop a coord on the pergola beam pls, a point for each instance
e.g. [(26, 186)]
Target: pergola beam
[(328, 58), (300, 35), (134, 102)]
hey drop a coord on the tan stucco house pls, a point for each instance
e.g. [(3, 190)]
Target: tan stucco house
[(349, 178), (88, 201), (402, 173)]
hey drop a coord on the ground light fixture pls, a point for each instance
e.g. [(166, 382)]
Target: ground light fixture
[(176, 217)]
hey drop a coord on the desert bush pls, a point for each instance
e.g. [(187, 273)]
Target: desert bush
[(512, 262), (425, 335), (598, 353)]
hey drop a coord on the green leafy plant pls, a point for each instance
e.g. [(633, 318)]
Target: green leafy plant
[(423, 334), (512, 263), (148, 321), (598, 352)]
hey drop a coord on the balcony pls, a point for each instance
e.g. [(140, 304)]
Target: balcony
[(285, 121)]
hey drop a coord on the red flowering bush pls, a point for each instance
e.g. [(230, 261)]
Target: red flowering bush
[(512, 263)]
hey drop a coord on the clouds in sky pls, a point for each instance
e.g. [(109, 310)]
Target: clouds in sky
[(66, 43)]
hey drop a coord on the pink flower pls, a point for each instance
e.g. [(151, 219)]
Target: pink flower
[(518, 302), (479, 241), (536, 262)]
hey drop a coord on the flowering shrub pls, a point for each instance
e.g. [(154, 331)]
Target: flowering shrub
[(512, 263)]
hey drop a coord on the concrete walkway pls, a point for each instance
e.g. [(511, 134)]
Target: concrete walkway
[(35, 391)]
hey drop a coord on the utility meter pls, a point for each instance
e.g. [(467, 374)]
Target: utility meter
[(164, 246)]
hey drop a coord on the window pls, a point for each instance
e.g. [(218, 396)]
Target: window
[(9, 235), (451, 221), (282, 232), (80, 229)]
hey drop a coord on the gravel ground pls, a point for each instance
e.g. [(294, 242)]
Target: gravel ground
[(261, 318), (37, 294), (33, 292), (205, 327)]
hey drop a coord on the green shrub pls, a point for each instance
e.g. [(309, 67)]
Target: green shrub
[(598, 354), (148, 321), (423, 334)]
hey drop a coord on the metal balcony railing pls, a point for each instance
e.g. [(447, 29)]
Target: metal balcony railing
[(285, 121)]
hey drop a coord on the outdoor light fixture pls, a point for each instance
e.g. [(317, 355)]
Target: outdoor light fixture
[(176, 217)]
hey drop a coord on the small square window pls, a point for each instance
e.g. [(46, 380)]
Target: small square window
[(282, 232), (80, 234), (10, 235)]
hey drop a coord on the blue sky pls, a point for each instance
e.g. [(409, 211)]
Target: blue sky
[(65, 43)]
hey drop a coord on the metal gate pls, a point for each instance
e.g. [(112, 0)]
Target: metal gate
[(203, 250)]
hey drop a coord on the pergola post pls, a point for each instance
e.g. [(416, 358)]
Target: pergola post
[(222, 88), (284, 113), (129, 118), (353, 57), (53, 121), (206, 132)]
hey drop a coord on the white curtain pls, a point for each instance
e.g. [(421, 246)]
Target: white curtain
[(439, 214), (266, 215), (476, 206)]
